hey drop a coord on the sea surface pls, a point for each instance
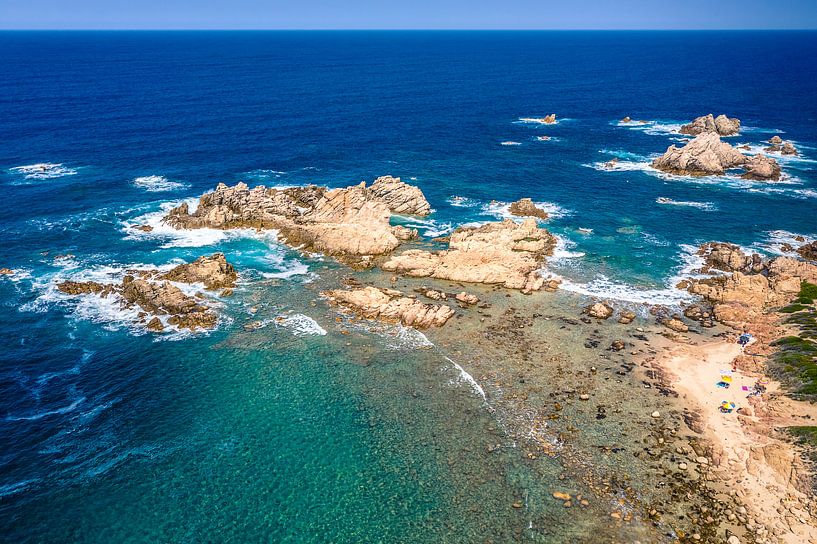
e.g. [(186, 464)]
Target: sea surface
[(295, 432)]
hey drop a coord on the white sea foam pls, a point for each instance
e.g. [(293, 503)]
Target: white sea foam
[(155, 184), (45, 170), (562, 250), (300, 325), (540, 121), (707, 206), (786, 160), (463, 202), (775, 240), (605, 288), (465, 377), (655, 128), (502, 210), (510, 143)]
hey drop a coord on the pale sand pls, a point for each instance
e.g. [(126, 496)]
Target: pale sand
[(747, 457)]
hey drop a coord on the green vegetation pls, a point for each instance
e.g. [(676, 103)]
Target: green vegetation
[(805, 434), (791, 308), (808, 292)]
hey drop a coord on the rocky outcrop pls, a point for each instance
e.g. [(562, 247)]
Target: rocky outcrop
[(750, 286), (6, 271), (400, 197), (213, 271), (524, 207), (721, 125), (391, 306), (346, 223), (762, 168), (549, 119), (808, 251), (784, 148), (775, 140), (704, 155), (504, 253), (161, 303), (729, 258)]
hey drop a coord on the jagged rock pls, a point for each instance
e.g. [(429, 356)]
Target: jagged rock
[(674, 323), (143, 228), (433, 294), (390, 306), (506, 253), (626, 317), (213, 271), (467, 298), (775, 140), (729, 258), (152, 292), (762, 168), (599, 310), (611, 164), (551, 285), (525, 207), (155, 325), (347, 223), (721, 125), (808, 251), (6, 271), (704, 155), (404, 233), (626, 119), (549, 119), (400, 197), (788, 149)]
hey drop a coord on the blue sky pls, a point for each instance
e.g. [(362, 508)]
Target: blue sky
[(408, 14)]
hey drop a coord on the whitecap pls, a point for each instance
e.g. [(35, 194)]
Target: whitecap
[(300, 325), (462, 202), (604, 288), (539, 121), (156, 184), (510, 143), (707, 206), (775, 240), (466, 378), (653, 128), (44, 170), (502, 210)]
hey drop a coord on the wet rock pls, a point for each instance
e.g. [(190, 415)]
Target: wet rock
[(6, 271), (391, 306), (549, 119), (561, 496), (611, 164), (617, 345), (704, 155), (721, 125), (253, 326), (213, 271), (762, 168), (525, 207), (626, 317), (143, 228), (467, 298), (808, 251), (627, 120), (599, 310), (84, 288), (155, 325), (775, 140)]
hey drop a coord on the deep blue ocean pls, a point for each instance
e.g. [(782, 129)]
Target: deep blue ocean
[(110, 435)]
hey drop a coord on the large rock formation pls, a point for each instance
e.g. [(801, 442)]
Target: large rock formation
[(390, 306), (751, 285), (762, 168), (525, 207), (213, 271), (704, 155), (400, 197), (721, 125), (505, 253), (159, 300), (350, 222), (808, 251)]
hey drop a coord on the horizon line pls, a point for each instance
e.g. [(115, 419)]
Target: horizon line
[(119, 29)]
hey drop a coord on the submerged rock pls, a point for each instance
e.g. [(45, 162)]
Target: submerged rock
[(391, 306), (721, 125), (467, 298), (704, 155), (524, 207), (505, 253)]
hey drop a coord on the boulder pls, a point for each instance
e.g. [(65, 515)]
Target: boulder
[(627, 119), (788, 149), (6, 271), (390, 306), (213, 271), (599, 310), (504, 253), (775, 140), (808, 251), (762, 168), (549, 119), (729, 258), (525, 207), (704, 155), (401, 198), (674, 323), (467, 298), (626, 317), (721, 125)]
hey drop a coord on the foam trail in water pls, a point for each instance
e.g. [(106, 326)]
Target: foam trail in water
[(465, 377), (155, 184), (44, 170), (707, 206)]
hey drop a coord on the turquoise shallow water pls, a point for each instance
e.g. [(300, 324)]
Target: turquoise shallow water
[(288, 434)]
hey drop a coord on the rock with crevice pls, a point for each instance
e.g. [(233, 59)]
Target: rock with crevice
[(721, 125), (505, 253), (525, 207), (213, 271), (762, 168), (705, 155), (400, 197), (391, 306)]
